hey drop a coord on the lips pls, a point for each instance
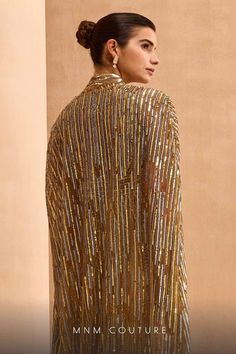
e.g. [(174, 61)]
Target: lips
[(150, 69)]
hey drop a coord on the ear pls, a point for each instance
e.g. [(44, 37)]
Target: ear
[(112, 47)]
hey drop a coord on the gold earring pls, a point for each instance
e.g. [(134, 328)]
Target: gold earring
[(115, 61)]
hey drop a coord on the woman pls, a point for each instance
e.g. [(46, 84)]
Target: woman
[(113, 194)]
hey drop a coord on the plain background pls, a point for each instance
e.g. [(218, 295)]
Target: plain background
[(42, 69)]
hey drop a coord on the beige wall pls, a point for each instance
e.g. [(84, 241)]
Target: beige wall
[(197, 69), (24, 303)]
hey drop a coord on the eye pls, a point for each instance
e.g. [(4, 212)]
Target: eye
[(145, 45)]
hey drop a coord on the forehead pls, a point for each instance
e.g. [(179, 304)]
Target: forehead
[(144, 33)]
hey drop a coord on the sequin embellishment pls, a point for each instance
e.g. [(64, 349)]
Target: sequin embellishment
[(113, 195)]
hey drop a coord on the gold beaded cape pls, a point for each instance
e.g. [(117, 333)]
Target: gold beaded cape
[(113, 195)]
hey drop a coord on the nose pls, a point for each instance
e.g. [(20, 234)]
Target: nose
[(155, 60)]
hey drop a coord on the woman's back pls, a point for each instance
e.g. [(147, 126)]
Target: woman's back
[(113, 193)]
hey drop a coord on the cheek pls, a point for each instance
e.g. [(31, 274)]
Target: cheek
[(140, 55), (133, 59), (135, 55)]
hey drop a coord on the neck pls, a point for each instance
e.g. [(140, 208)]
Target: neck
[(105, 70)]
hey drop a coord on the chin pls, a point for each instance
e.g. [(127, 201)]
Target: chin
[(144, 80)]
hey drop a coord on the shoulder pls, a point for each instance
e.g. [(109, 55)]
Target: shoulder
[(60, 121), (154, 97)]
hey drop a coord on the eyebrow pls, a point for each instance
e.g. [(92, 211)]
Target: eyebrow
[(150, 42)]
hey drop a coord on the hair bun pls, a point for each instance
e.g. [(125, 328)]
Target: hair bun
[(84, 33)]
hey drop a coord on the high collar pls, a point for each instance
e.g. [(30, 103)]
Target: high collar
[(105, 78)]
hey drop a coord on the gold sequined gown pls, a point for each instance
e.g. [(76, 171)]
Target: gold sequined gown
[(113, 195)]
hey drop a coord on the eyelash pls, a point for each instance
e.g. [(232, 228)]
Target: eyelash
[(146, 44)]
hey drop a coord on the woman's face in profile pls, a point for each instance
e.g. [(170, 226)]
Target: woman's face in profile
[(138, 56)]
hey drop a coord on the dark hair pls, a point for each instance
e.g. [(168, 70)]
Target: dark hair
[(117, 25)]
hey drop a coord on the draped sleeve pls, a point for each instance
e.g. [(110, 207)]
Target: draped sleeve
[(53, 177), (53, 193), (163, 193)]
